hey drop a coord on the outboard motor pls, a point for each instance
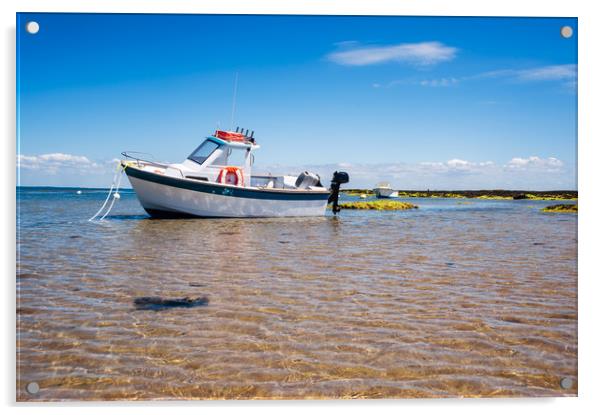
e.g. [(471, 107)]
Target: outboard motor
[(338, 178), (307, 179)]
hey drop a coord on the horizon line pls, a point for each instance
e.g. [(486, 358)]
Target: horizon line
[(350, 188)]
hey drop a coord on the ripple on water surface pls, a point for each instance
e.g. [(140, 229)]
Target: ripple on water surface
[(448, 300)]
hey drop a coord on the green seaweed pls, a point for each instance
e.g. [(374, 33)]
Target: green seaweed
[(494, 197), (378, 205), (561, 208), (550, 197), (357, 192), (499, 194)]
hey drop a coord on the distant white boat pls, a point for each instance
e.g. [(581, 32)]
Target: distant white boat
[(384, 190)]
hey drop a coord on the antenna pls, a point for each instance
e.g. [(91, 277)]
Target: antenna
[(234, 102)]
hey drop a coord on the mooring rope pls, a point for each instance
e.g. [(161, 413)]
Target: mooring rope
[(117, 175), (115, 197)]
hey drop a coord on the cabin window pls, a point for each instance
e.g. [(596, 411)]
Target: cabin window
[(203, 151), (231, 157), (236, 157)]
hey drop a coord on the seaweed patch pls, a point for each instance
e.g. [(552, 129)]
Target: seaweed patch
[(561, 208), (379, 205), (158, 303)]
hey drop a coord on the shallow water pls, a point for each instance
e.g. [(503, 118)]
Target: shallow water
[(456, 298)]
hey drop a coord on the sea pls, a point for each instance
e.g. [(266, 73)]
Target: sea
[(458, 298)]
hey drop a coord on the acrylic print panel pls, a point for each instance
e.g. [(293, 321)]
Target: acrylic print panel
[(227, 259)]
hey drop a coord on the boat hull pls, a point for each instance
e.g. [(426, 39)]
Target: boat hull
[(386, 193), (167, 197)]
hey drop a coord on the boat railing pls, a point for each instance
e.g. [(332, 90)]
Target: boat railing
[(133, 155), (136, 157)]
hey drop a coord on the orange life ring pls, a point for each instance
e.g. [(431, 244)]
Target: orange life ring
[(231, 175)]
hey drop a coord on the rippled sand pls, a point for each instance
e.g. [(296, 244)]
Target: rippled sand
[(451, 299)]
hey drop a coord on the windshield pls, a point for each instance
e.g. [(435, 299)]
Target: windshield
[(203, 151), (231, 157)]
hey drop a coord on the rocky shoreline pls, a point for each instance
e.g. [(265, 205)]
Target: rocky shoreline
[(478, 194)]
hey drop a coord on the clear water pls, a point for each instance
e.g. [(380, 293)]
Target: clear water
[(456, 298)]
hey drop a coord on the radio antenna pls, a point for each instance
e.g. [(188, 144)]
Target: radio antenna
[(234, 102)]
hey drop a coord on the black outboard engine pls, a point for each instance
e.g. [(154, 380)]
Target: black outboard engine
[(338, 178)]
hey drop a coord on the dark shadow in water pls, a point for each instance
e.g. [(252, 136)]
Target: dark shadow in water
[(158, 303)]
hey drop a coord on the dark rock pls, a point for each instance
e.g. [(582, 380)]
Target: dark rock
[(158, 303)]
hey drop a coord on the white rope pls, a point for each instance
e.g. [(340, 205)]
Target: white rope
[(115, 197), (118, 172)]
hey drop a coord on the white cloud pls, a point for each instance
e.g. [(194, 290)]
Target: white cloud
[(421, 54), (457, 165), (442, 82), (526, 173), (535, 162), (549, 73), (53, 163), (566, 72), (531, 173)]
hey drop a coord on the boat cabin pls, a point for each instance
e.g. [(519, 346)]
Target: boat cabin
[(226, 157), (223, 157)]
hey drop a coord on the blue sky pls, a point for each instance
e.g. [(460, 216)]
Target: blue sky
[(422, 102)]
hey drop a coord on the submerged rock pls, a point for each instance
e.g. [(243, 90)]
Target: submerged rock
[(158, 303)]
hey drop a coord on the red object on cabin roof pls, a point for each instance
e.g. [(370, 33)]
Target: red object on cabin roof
[(230, 136)]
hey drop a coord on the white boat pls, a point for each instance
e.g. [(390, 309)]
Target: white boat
[(384, 190), (216, 180)]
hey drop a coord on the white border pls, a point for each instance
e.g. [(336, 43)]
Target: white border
[(590, 28)]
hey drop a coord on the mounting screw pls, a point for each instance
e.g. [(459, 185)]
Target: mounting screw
[(566, 32), (32, 27), (32, 388), (566, 383)]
